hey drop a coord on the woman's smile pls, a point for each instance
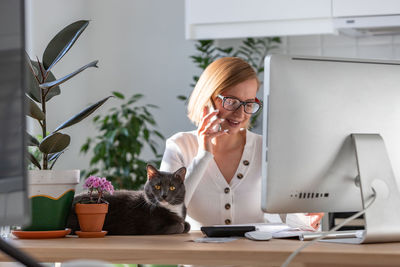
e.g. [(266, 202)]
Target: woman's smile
[(233, 123)]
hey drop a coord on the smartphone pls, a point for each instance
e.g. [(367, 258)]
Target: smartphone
[(217, 127)]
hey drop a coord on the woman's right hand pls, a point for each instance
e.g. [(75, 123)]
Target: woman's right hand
[(205, 132)]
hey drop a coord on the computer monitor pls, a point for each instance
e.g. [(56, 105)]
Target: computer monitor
[(14, 204), (331, 138)]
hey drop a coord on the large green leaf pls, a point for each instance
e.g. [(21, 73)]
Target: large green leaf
[(62, 43), (33, 69), (50, 85), (54, 157), (81, 115), (34, 111), (54, 143), (31, 141), (33, 89), (32, 158), (33, 85)]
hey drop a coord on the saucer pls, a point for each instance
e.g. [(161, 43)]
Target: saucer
[(91, 234), (40, 234)]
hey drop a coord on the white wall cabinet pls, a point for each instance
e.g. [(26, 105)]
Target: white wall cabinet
[(240, 18), (218, 19), (354, 8), (366, 17)]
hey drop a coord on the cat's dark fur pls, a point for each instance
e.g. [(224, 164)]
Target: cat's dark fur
[(149, 212)]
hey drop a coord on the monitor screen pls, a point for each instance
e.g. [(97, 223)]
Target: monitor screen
[(312, 107), (14, 205)]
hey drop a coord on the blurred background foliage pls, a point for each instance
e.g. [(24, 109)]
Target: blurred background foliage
[(124, 132)]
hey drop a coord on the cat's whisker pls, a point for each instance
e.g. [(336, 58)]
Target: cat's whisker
[(140, 204)]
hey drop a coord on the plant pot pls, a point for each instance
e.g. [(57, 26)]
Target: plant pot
[(91, 216), (51, 193)]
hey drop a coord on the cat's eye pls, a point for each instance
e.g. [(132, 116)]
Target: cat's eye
[(172, 188), (157, 187)]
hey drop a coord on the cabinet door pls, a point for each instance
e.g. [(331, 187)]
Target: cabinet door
[(220, 11), (215, 19), (349, 8)]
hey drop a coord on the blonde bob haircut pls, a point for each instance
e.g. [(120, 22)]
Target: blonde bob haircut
[(219, 76)]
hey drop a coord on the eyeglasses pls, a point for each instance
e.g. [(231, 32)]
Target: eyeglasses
[(232, 103)]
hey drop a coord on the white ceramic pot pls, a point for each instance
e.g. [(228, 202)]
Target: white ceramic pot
[(52, 183), (51, 193)]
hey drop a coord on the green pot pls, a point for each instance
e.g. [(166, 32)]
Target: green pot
[(51, 194)]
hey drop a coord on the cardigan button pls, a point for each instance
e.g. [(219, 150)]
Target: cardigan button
[(227, 190), (246, 162), (227, 221), (239, 175), (227, 206)]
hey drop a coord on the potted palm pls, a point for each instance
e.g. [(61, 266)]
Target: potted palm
[(52, 191), (91, 211)]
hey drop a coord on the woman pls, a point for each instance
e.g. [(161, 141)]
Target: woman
[(223, 158)]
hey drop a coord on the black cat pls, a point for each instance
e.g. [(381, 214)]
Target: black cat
[(157, 210)]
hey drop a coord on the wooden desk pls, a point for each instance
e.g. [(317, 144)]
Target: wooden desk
[(174, 249)]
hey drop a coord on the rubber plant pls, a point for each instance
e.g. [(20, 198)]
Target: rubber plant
[(43, 86), (52, 191)]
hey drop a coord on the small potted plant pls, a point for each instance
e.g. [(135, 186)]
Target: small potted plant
[(92, 210)]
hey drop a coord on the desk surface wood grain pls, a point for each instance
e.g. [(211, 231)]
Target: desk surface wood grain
[(174, 249)]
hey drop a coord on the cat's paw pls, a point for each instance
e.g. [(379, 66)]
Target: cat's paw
[(186, 227)]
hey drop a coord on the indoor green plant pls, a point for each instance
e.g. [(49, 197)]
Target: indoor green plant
[(91, 211), (52, 191), (124, 132)]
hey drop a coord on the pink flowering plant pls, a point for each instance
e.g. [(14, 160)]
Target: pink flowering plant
[(97, 187)]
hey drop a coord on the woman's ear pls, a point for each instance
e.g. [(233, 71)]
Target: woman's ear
[(151, 171), (181, 173)]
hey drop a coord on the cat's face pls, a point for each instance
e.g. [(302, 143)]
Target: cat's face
[(165, 187)]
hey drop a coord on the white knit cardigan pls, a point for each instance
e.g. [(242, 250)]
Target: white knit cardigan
[(209, 198)]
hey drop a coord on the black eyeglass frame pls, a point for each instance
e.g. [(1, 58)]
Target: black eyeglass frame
[(242, 103)]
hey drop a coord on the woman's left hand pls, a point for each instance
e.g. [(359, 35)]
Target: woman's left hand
[(315, 219)]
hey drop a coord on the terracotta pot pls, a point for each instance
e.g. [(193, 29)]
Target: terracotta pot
[(91, 216)]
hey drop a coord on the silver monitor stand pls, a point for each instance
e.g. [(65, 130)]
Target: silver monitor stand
[(382, 218)]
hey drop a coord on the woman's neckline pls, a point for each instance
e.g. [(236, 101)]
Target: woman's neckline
[(230, 145)]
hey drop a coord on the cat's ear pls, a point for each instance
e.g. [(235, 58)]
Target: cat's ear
[(181, 173), (151, 172)]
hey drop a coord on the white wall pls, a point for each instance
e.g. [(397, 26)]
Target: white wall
[(377, 47), (141, 49), (382, 47)]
